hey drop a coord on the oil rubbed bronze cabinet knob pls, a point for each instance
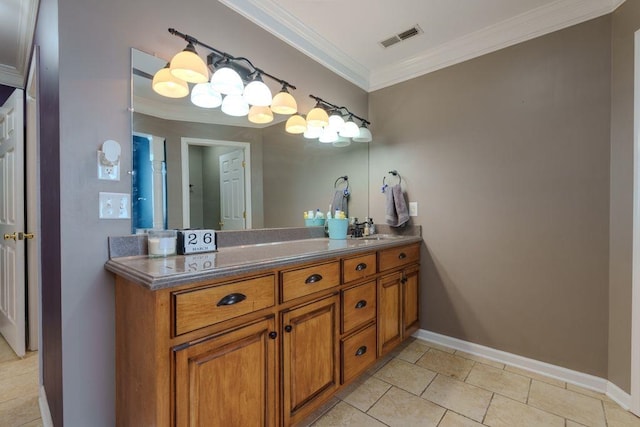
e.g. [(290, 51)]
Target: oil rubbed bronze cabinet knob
[(288, 328), (273, 335)]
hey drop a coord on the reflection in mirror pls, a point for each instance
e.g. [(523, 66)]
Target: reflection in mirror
[(199, 158)]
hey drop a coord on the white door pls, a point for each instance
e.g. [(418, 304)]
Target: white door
[(12, 246), (232, 206)]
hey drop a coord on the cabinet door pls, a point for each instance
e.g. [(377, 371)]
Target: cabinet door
[(310, 356), (410, 301), (228, 380), (389, 312)]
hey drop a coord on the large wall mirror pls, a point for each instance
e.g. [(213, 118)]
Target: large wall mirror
[(183, 155)]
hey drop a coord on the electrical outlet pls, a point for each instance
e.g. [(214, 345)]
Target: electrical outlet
[(107, 170), (114, 205), (413, 208)]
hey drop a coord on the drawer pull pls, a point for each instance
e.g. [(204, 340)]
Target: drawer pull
[(362, 350), (361, 266), (273, 335), (361, 304), (402, 255), (314, 278), (232, 299)]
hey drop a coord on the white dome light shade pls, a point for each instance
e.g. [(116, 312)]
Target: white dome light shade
[(235, 105), (296, 124), (188, 66), (166, 84), (336, 122), (350, 129), (364, 135), (312, 132), (342, 142), (317, 117), (258, 93), (284, 103), (204, 96), (227, 81), (328, 136), (260, 115)]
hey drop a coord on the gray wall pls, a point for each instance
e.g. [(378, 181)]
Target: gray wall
[(508, 158), (95, 38), (299, 175), (626, 20), (173, 131)]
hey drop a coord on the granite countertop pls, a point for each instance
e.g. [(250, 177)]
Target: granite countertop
[(160, 273)]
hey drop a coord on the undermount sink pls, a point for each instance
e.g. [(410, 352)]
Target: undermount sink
[(381, 237)]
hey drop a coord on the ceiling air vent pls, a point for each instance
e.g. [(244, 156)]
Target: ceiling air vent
[(402, 36)]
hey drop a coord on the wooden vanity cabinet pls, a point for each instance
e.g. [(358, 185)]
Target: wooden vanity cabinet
[(228, 379), (398, 298), (310, 359), (263, 349)]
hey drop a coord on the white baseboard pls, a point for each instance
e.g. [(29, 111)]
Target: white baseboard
[(581, 379), (45, 413)]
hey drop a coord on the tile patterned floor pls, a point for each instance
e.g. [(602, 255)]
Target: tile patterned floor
[(18, 389), (420, 384), (424, 384)]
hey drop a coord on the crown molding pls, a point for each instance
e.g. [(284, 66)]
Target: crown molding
[(537, 22), (282, 24)]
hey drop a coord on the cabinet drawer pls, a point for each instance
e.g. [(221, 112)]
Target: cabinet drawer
[(358, 267), (397, 257), (358, 352), (205, 306), (358, 306), (305, 281)]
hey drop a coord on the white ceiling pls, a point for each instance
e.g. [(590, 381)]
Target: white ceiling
[(344, 35)]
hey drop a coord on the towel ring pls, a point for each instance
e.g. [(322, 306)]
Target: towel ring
[(345, 179), (394, 173)]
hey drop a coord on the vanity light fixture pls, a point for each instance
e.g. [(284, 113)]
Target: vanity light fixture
[(312, 132), (328, 135), (284, 102), (188, 66), (318, 117), (260, 115), (235, 105), (364, 134), (227, 85), (227, 81), (296, 124), (166, 84), (203, 95), (327, 128), (257, 93), (336, 121), (350, 128)]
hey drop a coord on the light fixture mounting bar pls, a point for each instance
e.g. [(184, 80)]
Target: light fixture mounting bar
[(335, 107), (227, 56)]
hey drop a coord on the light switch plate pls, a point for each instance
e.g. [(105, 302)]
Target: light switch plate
[(114, 205), (413, 208)]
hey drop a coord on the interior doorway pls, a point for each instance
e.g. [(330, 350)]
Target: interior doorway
[(212, 169)]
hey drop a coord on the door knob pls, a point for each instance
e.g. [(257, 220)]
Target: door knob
[(19, 236)]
